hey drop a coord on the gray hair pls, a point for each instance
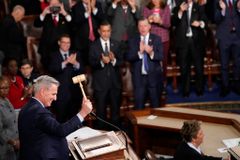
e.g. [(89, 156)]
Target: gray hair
[(190, 129), (44, 81), (18, 7)]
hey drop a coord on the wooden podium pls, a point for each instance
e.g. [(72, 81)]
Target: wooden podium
[(99, 145)]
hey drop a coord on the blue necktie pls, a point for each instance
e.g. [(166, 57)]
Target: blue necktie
[(145, 58)]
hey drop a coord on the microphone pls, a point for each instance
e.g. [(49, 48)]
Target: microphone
[(112, 125)]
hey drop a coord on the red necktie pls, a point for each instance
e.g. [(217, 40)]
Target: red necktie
[(230, 5), (91, 33), (55, 21), (125, 35)]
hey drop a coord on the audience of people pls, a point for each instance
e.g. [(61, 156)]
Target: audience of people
[(102, 35)]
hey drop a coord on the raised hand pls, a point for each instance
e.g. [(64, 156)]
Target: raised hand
[(86, 107), (93, 4), (62, 11), (132, 3), (111, 56)]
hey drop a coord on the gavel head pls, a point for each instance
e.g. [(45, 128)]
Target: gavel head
[(78, 79)]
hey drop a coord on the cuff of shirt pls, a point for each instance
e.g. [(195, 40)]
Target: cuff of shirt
[(95, 11), (134, 10), (80, 117), (223, 12), (102, 64), (77, 66), (152, 55), (42, 17), (114, 6), (63, 65), (68, 18), (114, 62), (179, 15), (202, 24), (86, 15), (140, 55)]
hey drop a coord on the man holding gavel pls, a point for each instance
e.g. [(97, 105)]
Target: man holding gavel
[(41, 135), (105, 59)]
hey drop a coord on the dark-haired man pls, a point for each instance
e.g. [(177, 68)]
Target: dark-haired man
[(105, 59)]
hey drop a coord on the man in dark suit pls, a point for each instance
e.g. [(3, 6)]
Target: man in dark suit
[(63, 65), (87, 15), (55, 21), (190, 21), (12, 40), (145, 54), (227, 17), (124, 15), (189, 148), (105, 59), (41, 135)]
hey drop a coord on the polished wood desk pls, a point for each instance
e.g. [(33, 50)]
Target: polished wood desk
[(162, 133)]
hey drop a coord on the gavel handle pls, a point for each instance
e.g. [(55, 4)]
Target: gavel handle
[(81, 86)]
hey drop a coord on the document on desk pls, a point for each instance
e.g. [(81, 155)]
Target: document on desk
[(232, 142), (83, 133)]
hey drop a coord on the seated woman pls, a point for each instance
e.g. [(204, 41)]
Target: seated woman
[(9, 143)]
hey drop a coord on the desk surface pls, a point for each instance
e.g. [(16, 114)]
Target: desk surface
[(216, 126)]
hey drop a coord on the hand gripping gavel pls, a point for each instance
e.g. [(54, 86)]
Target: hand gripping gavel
[(79, 79)]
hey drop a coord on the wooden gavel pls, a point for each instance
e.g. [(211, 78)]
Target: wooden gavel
[(79, 79)]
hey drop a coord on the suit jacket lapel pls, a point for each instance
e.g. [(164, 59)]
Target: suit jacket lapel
[(99, 47)]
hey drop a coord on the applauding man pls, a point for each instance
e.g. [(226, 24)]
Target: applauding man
[(105, 60)]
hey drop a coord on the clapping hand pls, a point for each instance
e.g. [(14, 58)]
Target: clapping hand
[(105, 59)]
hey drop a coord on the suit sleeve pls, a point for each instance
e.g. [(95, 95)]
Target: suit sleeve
[(133, 48), (94, 56), (157, 48), (48, 124)]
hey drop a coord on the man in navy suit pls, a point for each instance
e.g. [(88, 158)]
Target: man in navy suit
[(41, 136), (145, 55), (189, 148), (227, 17), (105, 60), (63, 65)]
